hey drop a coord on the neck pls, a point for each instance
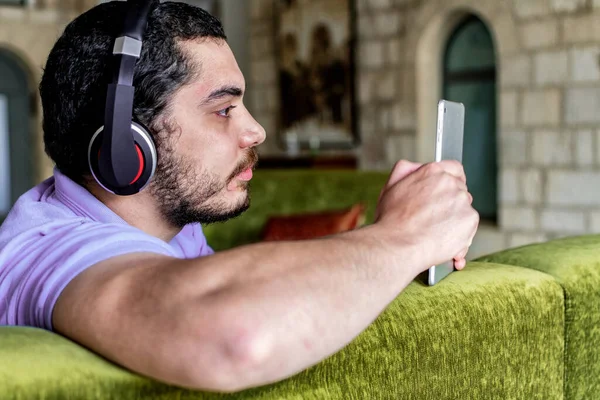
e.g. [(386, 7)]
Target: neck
[(140, 211)]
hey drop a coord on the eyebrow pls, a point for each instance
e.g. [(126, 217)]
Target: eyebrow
[(224, 91)]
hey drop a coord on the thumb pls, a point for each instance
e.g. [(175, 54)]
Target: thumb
[(401, 170)]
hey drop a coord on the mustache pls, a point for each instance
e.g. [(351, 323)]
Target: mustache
[(249, 161)]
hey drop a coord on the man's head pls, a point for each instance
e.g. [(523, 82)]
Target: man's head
[(189, 92)]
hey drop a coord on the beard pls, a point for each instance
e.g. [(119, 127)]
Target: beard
[(186, 197)]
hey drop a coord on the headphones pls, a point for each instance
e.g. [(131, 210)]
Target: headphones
[(122, 154)]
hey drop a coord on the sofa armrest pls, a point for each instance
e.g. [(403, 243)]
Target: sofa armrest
[(575, 264), (490, 331)]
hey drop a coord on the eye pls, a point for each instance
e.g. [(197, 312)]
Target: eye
[(225, 112)]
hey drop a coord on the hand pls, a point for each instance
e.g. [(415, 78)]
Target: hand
[(429, 208)]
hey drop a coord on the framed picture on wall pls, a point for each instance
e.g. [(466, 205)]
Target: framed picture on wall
[(315, 60)]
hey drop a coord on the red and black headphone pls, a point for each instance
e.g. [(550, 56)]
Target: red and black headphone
[(121, 154)]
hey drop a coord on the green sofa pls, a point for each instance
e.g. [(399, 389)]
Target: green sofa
[(523, 323)]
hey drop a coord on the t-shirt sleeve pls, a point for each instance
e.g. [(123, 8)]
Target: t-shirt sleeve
[(38, 264)]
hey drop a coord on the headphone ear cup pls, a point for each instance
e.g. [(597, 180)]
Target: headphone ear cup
[(147, 159), (147, 156)]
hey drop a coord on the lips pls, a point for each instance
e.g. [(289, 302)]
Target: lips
[(243, 172), (246, 175)]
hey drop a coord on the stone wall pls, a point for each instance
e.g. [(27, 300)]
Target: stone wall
[(548, 96), (262, 82), (29, 33), (548, 55), (550, 131)]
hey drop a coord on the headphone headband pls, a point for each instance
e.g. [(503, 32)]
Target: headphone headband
[(137, 18), (118, 159)]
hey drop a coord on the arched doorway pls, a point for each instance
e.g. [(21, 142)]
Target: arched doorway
[(16, 170), (470, 77)]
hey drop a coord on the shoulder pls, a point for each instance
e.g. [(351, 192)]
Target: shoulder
[(38, 263), (45, 243), (192, 242), (31, 209), (43, 220)]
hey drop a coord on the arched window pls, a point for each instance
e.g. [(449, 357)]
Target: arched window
[(470, 78), (16, 171)]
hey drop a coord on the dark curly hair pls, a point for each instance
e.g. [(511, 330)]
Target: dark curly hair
[(77, 72)]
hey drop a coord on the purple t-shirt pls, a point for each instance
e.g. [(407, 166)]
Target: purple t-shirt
[(54, 232)]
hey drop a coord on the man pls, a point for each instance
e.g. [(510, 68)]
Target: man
[(133, 278)]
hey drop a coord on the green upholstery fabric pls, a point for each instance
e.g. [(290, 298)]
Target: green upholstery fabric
[(520, 324), (575, 263), (296, 191), (491, 331)]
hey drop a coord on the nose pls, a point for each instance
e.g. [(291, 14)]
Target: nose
[(253, 134)]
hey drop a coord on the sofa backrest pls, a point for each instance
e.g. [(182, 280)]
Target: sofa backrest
[(277, 192)]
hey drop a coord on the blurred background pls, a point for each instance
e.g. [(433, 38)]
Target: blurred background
[(354, 84)]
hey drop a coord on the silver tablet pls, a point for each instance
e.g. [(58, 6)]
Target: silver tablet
[(448, 146)]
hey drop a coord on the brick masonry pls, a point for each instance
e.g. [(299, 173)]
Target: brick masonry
[(548, 57), (548, 102), (29, 33)]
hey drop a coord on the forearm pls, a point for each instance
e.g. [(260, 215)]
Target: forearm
[(284, 307), (237, 319)]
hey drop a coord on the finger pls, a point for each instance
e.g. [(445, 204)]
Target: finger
[(462, 185), (471, 241), (462, 254), (454, 168), (469, 196), (401, 170), (460, 261)]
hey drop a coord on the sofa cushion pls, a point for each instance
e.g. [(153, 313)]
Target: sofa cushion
[(489, 331), (310, 225), (575, 263)]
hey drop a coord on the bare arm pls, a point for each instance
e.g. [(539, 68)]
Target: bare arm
[(244, 317), (236, 319)]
